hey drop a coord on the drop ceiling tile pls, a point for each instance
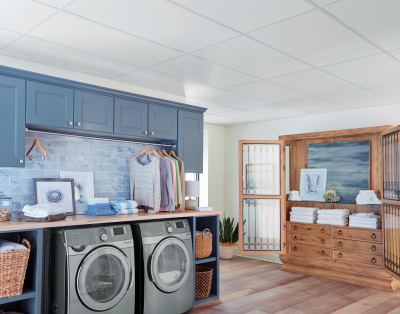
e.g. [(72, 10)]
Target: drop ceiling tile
[(75, 32), (372, 71), (249, 56), (32, 49), (55, 3), (163, 82), (315, 105), (260, 13), (315, 82), (377, 20), (359, 99), (396, 53), (198, 70), (216, 119), (324, 2), (267, 91), (246, 115), (6, 37), (279, 111), (211, 107), (315, 38), (230, 99), (391, 91), (21, 15), (157, 20)]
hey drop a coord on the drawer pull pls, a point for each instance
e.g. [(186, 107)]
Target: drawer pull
[(373, 260), (322, 252), (340, 255), (340, 243), (373, 248), (373, 236), (294, 227), (322, 230), (295, 248), (322, 241), (295, 238), (340, 232)]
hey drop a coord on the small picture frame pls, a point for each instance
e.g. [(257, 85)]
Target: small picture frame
[(55, 192), (83, 185), (313, 184)]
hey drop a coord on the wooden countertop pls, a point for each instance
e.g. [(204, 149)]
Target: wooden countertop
[(78, 220)]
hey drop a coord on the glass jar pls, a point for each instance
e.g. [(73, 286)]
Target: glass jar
[(5, 207)]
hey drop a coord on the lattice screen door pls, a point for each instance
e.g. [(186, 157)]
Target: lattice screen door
[(391, 201), (262, 213)]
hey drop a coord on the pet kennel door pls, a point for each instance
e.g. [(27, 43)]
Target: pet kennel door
[(262, 213)]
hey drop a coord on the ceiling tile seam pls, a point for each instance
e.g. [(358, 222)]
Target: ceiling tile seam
[(351, 29), (324, 5), (52, 6)]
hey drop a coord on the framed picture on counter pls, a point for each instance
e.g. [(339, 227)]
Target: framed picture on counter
[(56, 192), (83, 186)]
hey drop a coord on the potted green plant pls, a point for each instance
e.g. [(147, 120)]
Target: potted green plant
[(228, 236)]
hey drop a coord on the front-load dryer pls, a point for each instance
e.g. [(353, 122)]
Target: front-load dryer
[(90, 270), (164, 267)]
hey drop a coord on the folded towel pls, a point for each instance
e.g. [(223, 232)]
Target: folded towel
[(127, 211), (297, 209), (332, 217), (365, 215), (93, 212), (359, 225), (120, 200), (20, 216), (42, 210), (94, 201), (129, 204), (302, 219), (119, 206), (100, 206), (7, 246), (340, 222), (334, 211), (310, 215), (204, 209), (365, 220)]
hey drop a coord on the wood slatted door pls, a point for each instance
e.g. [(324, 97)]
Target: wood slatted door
[(262, 197), (391, 201)]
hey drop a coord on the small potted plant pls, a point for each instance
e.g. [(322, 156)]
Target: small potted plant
[(228, 236), (331, 196)]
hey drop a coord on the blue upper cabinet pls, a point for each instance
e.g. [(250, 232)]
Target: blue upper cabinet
[(190, 140), (12, 122), (130, 117), (49, 105), (163, 122), (93, 112)]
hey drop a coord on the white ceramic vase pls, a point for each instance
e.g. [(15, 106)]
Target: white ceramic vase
[(226, 250)]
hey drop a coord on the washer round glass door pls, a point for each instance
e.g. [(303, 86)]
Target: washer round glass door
[(103, 278), (170, 265)]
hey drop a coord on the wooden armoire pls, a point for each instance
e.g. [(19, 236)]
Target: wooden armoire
[(368, 257)]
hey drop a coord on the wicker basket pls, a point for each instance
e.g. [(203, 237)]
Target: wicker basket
[(203, 281), (204, 244), (12, 271)]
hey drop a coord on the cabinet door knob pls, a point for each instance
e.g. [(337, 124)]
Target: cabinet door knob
[(295, 248), (373, 260), (340, 243), (71, 123), (295, 227), (21, 161), (340, 232), (151, 133), (322, 230), (322, 252), (78, 124), (373, 236), (373, 248), (145, 132), (295, 238), (340, 255), (322, 241)]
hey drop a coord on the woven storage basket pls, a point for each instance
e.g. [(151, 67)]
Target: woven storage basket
[(12, 271), (203, 281), (204, 244)]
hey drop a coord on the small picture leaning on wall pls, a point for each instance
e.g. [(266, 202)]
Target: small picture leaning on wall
[(313, 184)]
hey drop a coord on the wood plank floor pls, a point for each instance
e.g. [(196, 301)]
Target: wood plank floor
[(256, 287)]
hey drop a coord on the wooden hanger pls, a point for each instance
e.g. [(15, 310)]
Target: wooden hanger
[(144, 151), (36, 142), (153, 151), (164, 152), (172, 153)]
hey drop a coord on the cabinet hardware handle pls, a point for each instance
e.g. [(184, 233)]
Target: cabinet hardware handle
[(373, 248), (295, 248), (340, 243), (322, 241), (373, 236), (21, 161), (322, 252), (340, 255), (145, 132), (151, 133), (295, 227), (340, 232), (322, 230), (373, 260), (78, 124), (71, 123), (295, 238)]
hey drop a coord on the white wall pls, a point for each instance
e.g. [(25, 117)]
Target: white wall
[(270, 130)]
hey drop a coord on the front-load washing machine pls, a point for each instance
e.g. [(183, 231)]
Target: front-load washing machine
[(90, 270), (164, 267)]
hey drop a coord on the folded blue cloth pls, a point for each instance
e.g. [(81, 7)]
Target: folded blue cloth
[(120, 200), (127, 211), (92, 212), (100, 206)]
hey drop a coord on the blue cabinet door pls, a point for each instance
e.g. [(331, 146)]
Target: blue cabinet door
[(93, 112), (12, 122), (49, 105), (163, 122), (130, 117), (190, 140)]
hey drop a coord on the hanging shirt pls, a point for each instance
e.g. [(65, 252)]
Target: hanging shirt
[(173, 176), (181, 207), (178, 182)]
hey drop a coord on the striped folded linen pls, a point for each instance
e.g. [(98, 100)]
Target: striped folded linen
[(297, 209), (342, 211), (309, 220), (339, 222)]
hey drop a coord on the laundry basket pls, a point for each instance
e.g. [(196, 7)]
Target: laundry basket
[(203, 281), (12, 271), (203, 244)]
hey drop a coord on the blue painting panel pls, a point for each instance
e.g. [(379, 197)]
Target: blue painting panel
[(348, 165)]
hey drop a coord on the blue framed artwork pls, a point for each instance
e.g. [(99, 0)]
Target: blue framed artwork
[(347, 164)]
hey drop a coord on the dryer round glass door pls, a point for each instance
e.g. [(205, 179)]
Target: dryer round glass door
[(103, 278), (170, 265)]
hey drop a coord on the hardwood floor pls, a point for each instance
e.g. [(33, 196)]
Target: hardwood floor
[(256, 287)]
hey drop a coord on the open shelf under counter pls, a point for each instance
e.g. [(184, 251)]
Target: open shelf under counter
[(209, 298), (205, 260), (27, 293)]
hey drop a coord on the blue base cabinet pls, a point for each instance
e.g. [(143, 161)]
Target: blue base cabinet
[(12, 122)]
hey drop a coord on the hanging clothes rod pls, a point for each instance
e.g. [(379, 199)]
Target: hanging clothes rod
[(99, 138)]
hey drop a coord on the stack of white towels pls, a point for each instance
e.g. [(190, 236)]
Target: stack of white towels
[(366, 220), (304, 214), (337, 217), (367, 197)]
